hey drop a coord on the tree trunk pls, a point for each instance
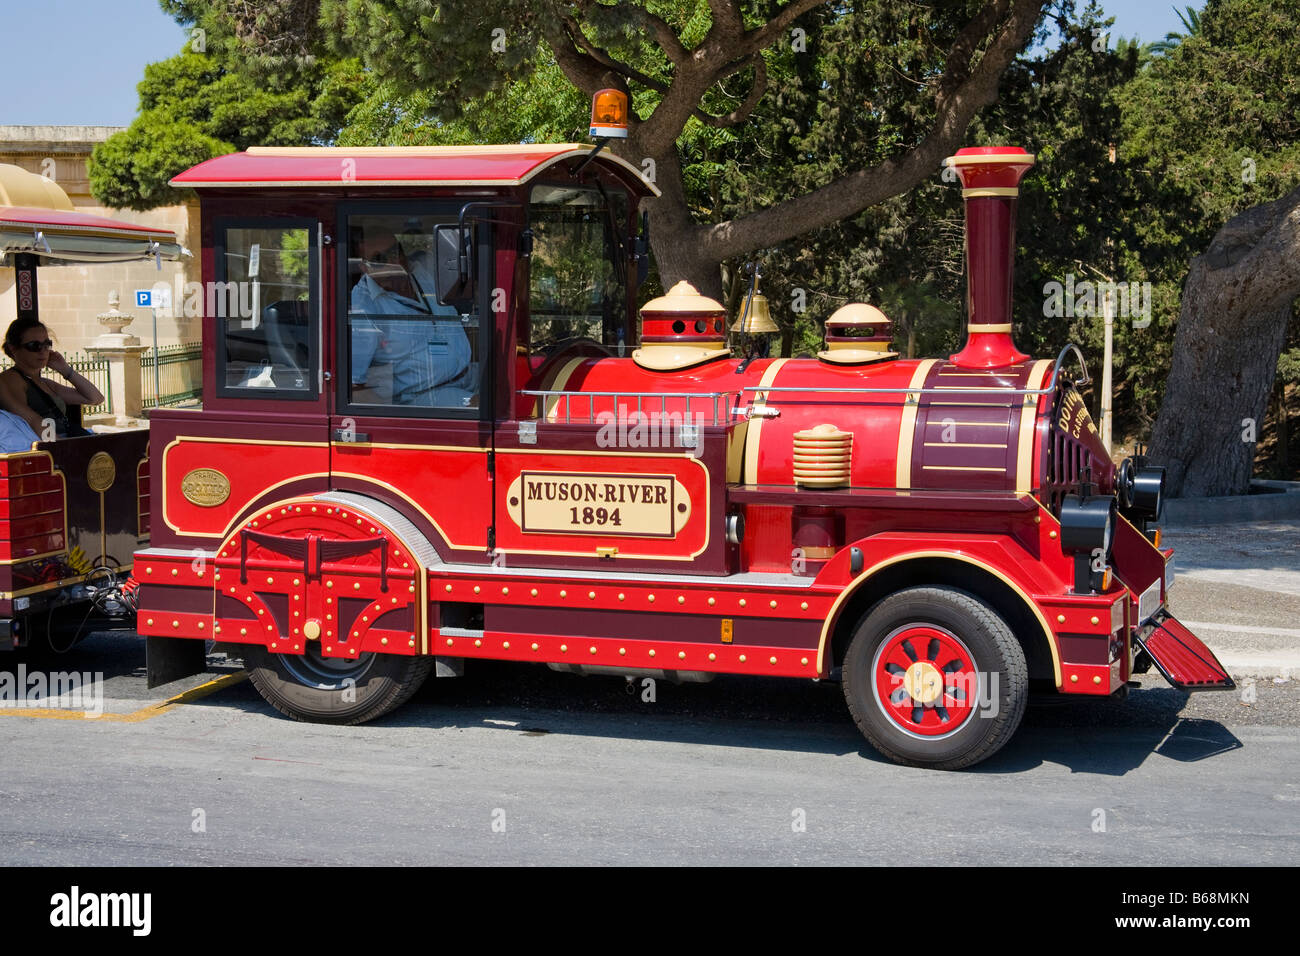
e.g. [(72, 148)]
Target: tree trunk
[(1283, 435), (1236, 305), (676, 240)]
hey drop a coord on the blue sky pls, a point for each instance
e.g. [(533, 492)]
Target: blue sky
[(77, 62)]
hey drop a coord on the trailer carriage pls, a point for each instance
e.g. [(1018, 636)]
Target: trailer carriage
[(74, 510)]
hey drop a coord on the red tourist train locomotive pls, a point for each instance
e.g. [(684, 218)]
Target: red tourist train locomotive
[(428, 436)]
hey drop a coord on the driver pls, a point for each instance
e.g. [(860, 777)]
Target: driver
[(429, 356)]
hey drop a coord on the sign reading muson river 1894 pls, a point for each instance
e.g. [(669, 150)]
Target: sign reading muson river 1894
[(646, 506)]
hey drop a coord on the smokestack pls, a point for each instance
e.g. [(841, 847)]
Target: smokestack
[(990, 178)]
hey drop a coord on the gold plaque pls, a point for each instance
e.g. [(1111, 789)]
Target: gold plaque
[(643, 506), (205, 487), (101, 472)]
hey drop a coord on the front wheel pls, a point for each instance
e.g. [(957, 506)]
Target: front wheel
[(328, 690), (935, 678)]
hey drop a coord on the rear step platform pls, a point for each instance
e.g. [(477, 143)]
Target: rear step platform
[(1181, 656)]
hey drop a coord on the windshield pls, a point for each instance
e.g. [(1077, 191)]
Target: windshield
[(578, 269)]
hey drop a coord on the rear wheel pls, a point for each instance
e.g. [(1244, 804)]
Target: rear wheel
[(330, 690), (935, 678)]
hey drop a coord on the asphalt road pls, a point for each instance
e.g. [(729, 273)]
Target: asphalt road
[(1238, 589), (515, 764)]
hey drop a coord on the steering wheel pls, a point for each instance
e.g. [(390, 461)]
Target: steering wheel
[(577, 346)]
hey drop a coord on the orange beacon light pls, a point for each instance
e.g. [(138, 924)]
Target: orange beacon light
[(609, 114)]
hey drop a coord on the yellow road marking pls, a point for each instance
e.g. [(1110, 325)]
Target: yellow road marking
[(144, 713)]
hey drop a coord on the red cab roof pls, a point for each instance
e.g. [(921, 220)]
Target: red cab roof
[(315, 166)]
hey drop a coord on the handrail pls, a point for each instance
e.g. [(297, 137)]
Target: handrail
[(1048, 389), (764, 390), (661, 397)]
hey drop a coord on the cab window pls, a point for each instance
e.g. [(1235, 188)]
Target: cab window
[(577, 270), (264, 309), (403, 349)]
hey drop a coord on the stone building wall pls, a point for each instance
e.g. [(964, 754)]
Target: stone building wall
[(71, 296)]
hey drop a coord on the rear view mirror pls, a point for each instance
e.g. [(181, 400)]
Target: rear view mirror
[(454, 251)]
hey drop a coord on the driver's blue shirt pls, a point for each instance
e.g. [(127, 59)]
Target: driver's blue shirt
[(428, 352)]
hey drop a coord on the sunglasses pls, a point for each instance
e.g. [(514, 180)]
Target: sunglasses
[(38, 346)]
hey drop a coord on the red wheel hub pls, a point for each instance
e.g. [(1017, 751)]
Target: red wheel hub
[(925, 680)]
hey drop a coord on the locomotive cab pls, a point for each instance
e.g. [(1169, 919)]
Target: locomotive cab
[(433, 432)]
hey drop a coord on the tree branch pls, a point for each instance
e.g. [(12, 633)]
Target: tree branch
[(741, 113), (764, 36), (600, 56), (867, 187), (726, 19), (663, 34), (721, 54), (582, 70)]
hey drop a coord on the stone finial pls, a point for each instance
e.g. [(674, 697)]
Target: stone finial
[(114, 321)]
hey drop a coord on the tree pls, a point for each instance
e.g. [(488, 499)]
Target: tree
[(1191, 23), (683, 64), (1236, 305), (1214, 128), (194, 106)]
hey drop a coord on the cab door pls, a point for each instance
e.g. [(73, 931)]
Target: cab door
[(411, 426), (263, 432)]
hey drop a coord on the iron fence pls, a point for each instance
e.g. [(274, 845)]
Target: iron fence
[(178, 377)]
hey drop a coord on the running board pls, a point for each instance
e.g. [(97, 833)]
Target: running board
[(1181, 656)]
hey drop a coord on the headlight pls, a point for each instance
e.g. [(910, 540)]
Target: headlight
[(1141, 490), (1087, 524), (1087, 532)]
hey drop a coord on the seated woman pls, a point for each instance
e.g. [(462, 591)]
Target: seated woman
[(35, 399)]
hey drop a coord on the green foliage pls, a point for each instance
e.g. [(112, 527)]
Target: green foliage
[(861, 91), (1209, 129), (546, 108), (1184, 116), (1191, 23), (197, 105)]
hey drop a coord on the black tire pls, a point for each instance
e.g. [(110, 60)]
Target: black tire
[(968, 649), (323, 690)]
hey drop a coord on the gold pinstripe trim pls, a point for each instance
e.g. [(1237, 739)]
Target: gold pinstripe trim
[(756, 424), (38, 588), (161, 494), (139, 515), (990, 191), (911, 555), (963, 444), (558, 383), (907, 426), (983, 329), (1028, 418), (964, 467), (979, 160)]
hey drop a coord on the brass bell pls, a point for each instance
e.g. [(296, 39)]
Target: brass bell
[(755, 317)]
